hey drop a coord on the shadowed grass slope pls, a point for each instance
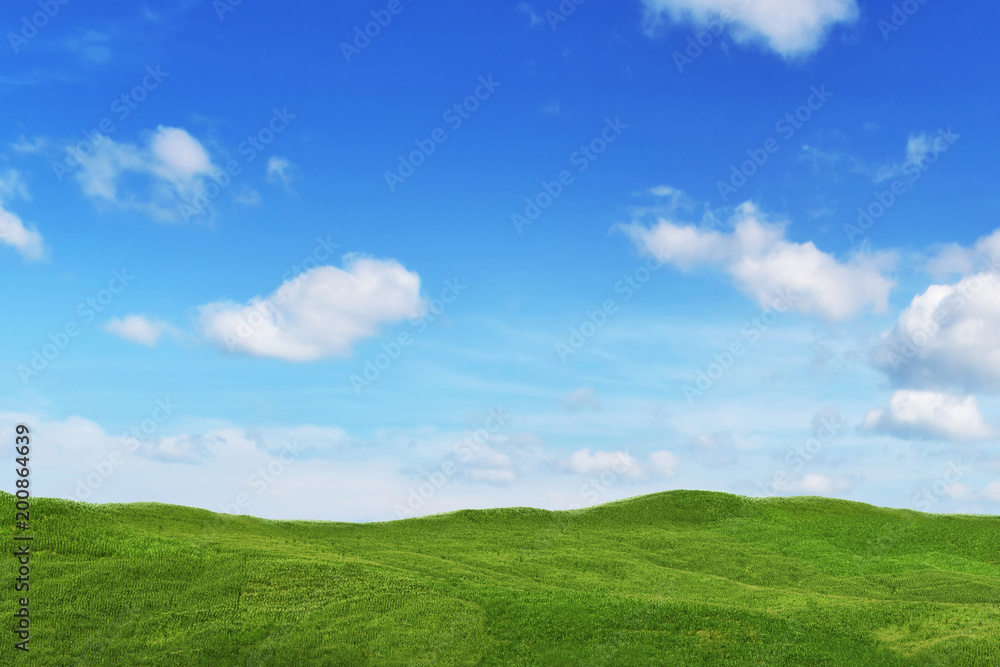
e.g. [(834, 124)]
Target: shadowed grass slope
[(676, 578)]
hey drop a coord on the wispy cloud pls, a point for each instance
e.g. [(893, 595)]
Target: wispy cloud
[(23, 145), (90, 45), (766, 266), (279, 170), (174, 164), (138, 329), (788, 27), (13, 231)]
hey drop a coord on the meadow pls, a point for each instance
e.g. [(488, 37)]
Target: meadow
[(676, 578)]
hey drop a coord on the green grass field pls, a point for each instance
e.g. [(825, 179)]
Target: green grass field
[(677, 578)]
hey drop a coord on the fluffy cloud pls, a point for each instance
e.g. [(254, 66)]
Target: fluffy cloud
[(137, 329), (319, 314), (947, 338), (789, 27), (927, 415), (13, 231), (767, 267), (175, 166)]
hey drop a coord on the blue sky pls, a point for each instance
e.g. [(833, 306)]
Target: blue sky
[(523, 254)]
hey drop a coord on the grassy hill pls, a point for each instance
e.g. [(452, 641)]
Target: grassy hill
[(676, 578)]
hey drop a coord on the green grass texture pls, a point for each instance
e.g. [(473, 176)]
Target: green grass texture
[(675, 578)]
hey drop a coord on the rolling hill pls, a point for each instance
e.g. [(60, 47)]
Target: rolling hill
[(676, 578)]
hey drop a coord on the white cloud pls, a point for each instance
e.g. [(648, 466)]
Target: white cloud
[(320, 314), (664, 463), (179, 156), (927, 415), (919, 147), (279, 171), (138, 329), (947, 338), (12, 186), (665, 191), (13, 231), (175, 164), (789, 27), (583, 462), (766, 266), (953, 258)]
